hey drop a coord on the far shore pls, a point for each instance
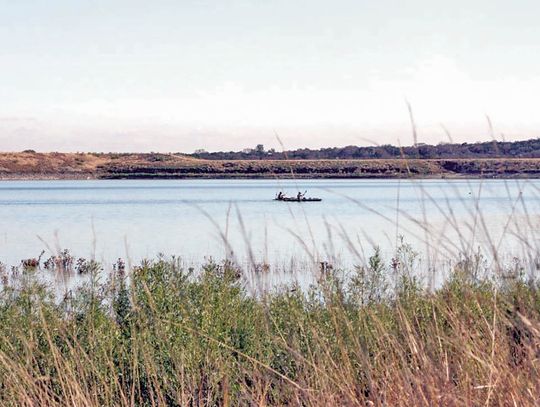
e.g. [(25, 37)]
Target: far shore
[(62, 177), (83, 166)]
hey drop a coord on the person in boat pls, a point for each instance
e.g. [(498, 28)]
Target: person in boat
[(300, 196), (280, 196)]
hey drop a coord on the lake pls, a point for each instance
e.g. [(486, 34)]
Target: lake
[(136, 219)]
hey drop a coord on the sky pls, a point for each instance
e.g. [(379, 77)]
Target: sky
[(180, 75)]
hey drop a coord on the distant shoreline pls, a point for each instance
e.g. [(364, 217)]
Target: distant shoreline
[(81, 166), (255, 177)]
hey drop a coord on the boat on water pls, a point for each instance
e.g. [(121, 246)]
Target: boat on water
[(290, 199), (298, 198)]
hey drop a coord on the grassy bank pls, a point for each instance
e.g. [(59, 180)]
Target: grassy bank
[(32, 165), (164, 335)]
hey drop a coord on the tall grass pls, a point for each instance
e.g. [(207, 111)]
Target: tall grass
[(161, 334)]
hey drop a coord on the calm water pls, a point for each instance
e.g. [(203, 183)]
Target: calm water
[(189, 218)]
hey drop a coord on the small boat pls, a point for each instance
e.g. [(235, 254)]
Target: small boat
[(287, 199), (299, 198)]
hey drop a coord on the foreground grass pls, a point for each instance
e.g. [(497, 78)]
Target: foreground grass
[(165, 336)]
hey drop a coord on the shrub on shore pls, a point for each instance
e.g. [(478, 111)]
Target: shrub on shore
[(164, 335)]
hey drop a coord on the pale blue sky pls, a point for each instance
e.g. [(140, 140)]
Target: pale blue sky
[(180, 75)]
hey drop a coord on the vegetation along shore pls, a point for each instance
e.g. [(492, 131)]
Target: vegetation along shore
[(479, 160), (161, 334)]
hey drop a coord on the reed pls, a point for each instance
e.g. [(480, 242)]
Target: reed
[(161, 334)]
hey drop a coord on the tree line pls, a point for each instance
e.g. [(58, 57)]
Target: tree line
[(490, 149)]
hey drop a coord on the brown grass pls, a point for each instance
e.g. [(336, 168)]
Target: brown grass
[(163, 338), (131, 165)]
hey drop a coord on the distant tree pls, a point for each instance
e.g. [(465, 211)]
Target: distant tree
[(259, 150), (525, 148)]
